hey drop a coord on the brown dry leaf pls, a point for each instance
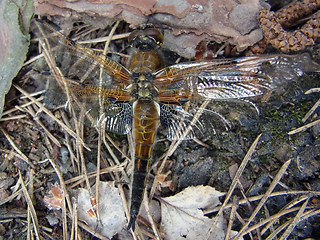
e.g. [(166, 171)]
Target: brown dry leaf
[(111, 209), (186, 23), (182, 217), (54, 198)]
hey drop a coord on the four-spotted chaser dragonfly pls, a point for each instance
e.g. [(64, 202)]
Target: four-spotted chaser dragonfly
[(146, 94)]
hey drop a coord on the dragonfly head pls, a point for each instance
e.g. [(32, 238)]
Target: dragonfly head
[(146, 38)]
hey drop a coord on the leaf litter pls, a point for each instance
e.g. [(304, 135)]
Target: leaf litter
[(182, 214), (304, 204)]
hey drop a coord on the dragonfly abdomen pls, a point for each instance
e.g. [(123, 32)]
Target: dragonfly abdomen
[(146, 121)]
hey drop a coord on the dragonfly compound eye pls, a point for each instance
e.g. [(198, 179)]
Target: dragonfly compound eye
[(146, 39)]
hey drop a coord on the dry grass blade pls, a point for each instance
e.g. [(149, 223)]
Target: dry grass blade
[(105, 39), (33, 60), (153, 225), (93, 232), (64, 216), (30, 207), (264, 199), (234, 184), (62, 184), (232, 217), (11, 197), (110, 151), (101, 111), (305, 127), (269, 219), (21, 154), (309, 113), (100, 128), (192, 123), (295, 221), (256, 198), (13, 117), (290, 205), (79, 123), (79, 179), (65, 196), (74, 228), (34, 115), (306, 215), (22, 106), (272, 219), (48, 112), (314, 107)]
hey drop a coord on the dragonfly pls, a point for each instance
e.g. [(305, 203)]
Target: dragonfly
[(146, 94)]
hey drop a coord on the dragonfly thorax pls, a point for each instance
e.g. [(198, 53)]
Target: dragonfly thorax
[(144, 87)]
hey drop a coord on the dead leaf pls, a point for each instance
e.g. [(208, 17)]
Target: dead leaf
[(182, 217), (54, 198), (111, 209)]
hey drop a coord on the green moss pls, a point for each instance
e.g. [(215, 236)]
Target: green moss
[(279, 121)]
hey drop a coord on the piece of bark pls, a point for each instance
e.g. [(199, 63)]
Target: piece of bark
[(186, 23)]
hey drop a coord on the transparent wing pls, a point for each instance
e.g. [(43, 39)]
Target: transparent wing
[(176, 120), (77, 60), (231, 78), (118, 118), (90, 81), (185, 125), (227, 79)]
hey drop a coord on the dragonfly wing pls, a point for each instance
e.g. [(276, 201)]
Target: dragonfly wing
[(176, 120), (233, 78), (118, 118), (78, 62), (91, 81), (113, 107), (224, 79)]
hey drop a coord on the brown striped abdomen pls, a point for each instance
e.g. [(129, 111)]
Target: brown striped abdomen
[(146, 121)]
